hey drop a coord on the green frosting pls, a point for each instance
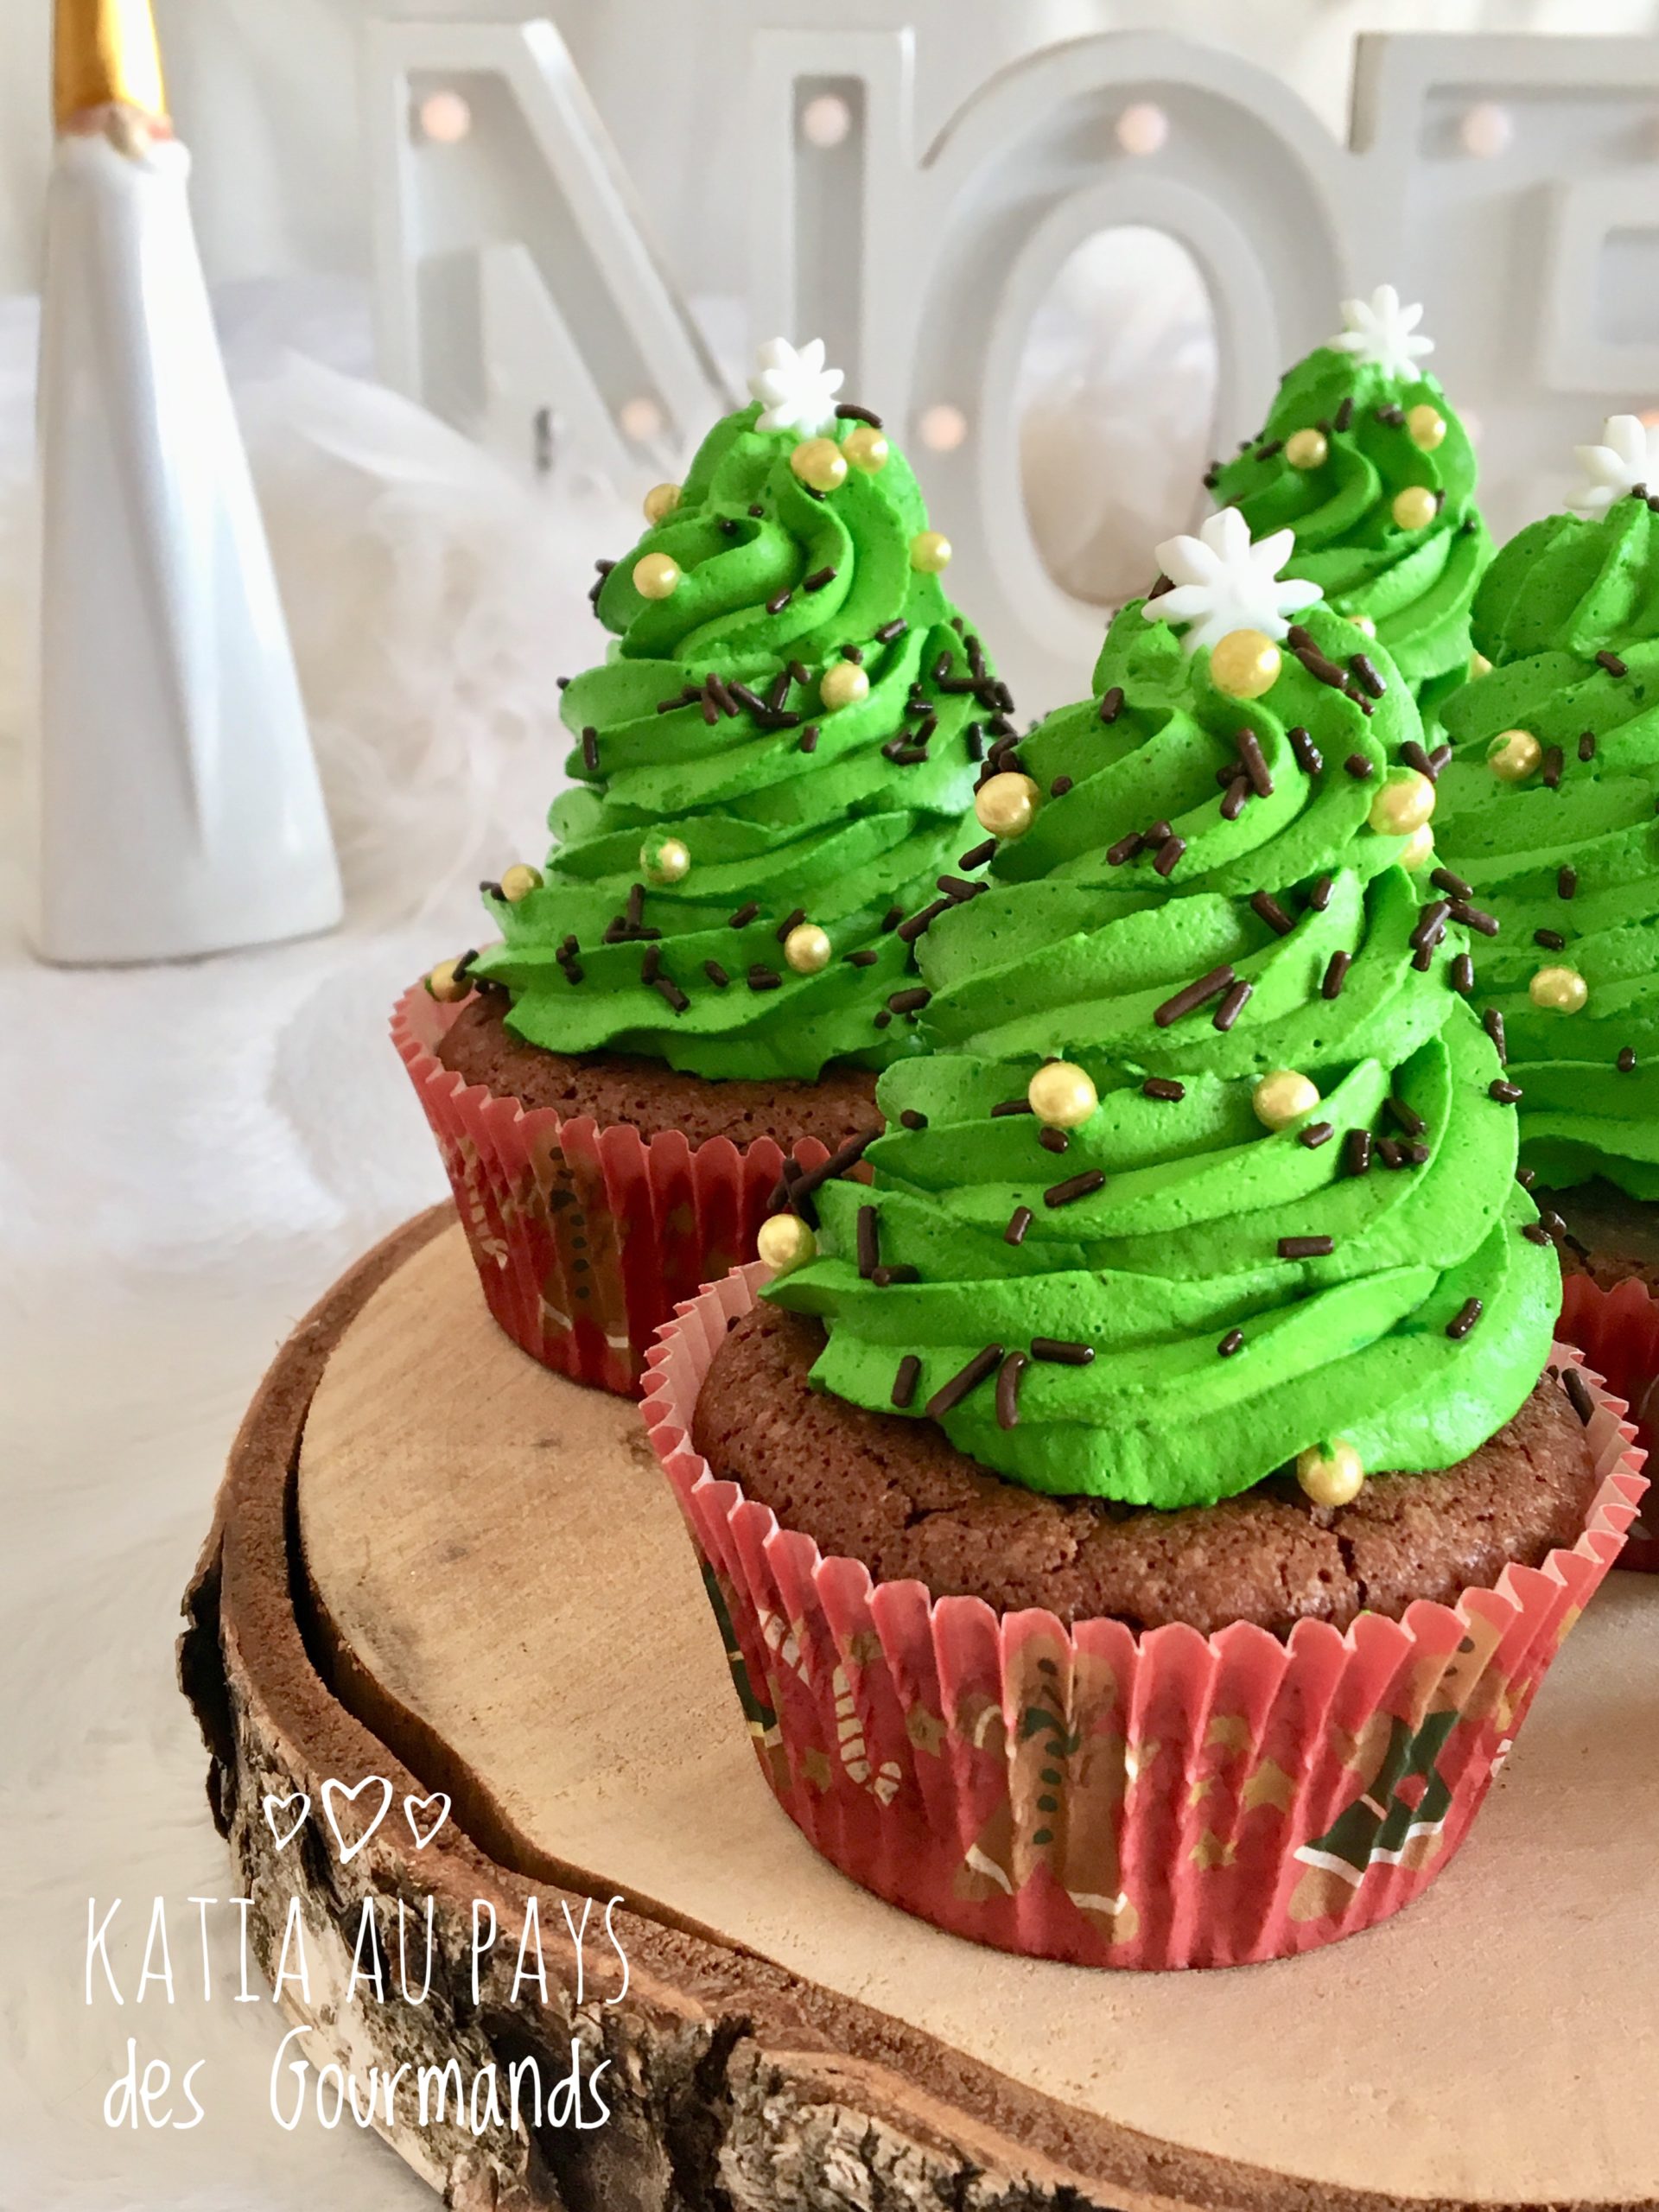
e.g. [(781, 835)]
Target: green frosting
[(1176, 1253), (1417, 586), (1560, 593), (778, 584)]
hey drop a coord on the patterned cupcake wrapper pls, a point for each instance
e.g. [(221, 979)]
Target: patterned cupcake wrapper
[(585, 1238), (1088, 1794), (1618, 1332)]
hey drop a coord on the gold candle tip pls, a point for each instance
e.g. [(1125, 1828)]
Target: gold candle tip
[(104, 52)]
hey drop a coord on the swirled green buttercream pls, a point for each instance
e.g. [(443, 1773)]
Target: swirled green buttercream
[(707, 726), (1416, 584), (1569, 615), (1173, 1238)]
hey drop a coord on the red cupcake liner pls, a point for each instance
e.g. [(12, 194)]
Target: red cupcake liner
[(585, 1238), (1618, 1332), (1115, 1800)]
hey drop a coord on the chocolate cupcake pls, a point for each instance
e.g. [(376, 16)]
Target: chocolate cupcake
[(1363, 458), (1548, 813), (1175, 1417), (773, 769)]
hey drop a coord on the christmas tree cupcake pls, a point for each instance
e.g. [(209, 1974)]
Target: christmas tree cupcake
[(1552, 803), (1550, 815), (1119, 1501), (770, 769), (1363, 458)]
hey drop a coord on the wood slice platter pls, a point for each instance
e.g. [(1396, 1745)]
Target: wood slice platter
[(437, 1564)]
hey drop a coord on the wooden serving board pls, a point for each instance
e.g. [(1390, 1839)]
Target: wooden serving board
[(437, 1563)]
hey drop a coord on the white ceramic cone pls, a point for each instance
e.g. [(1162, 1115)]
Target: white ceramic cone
[(180, 810)]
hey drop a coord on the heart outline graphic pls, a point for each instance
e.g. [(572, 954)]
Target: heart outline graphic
[(349, 1851), (300, 1797), (413, 1805)]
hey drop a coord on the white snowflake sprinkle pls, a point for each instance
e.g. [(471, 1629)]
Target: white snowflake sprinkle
[(1381, 333), (1628, 455), (1222, 583), (795, 391)]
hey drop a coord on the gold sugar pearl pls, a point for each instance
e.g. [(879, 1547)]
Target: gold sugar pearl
[(1245, 664), (807, 949), (1417, 849), (445, 985), (1283, 1097), (1330, 1475), (1307, 449), (1479, 666), (1061, 1095), (929, 552), (1415, 507), (661, 501), (518, 881), (1364, 624), (1402, 804), (1424, 426), (656, 576), (844, 684), (1513, 754), (786, 1242), (819, 462), (1559, 990), (666, 860), (865, 448), (1005, 804)]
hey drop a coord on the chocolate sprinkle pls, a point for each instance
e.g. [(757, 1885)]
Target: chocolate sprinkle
[(1551, 940), (848, 413), (1443, 880), (1008, 1390), (1315, 1134), (910, 1001), (1552, 773), (919, 924), (977, 855), (1233, 1005), (1567, 883), (1060, 787), (1366, 670), (1345, 414), (905, 1382), (791, 920), (1406, 1117), (1463, 974), (671, 992), (866, 956), (715, 974), (1611, 662), (744, 915), (1492, 1022), (1506, 1094), (777, 606), (1167, 854), (1535, 1232), (1055, 1140), (1626, 1061), (949, 1396), (867, 1237), (1357, 766), (590, 750), (889, 631), (1306, 1247), (818, 579), (912, 1117), (808, 739), (1238, 792), (1588, 745), (1006, 1106), (1019, 1222), (1319, 897), (1111, 704), (1232, 1342), (892, 918), (1075, 1186), (1578, 1391), (1124, 849), (1336, 975), (763, 979), (1464, 1319), (1062, 1351), (1307, 753), (1255, 766), (1357, 1152), (1264, 904), (1193, 996), (1162, 1086)]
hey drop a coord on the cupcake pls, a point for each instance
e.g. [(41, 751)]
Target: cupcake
[(1363, 458), (1548, 813), (771, 770), (1143, 1513)]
